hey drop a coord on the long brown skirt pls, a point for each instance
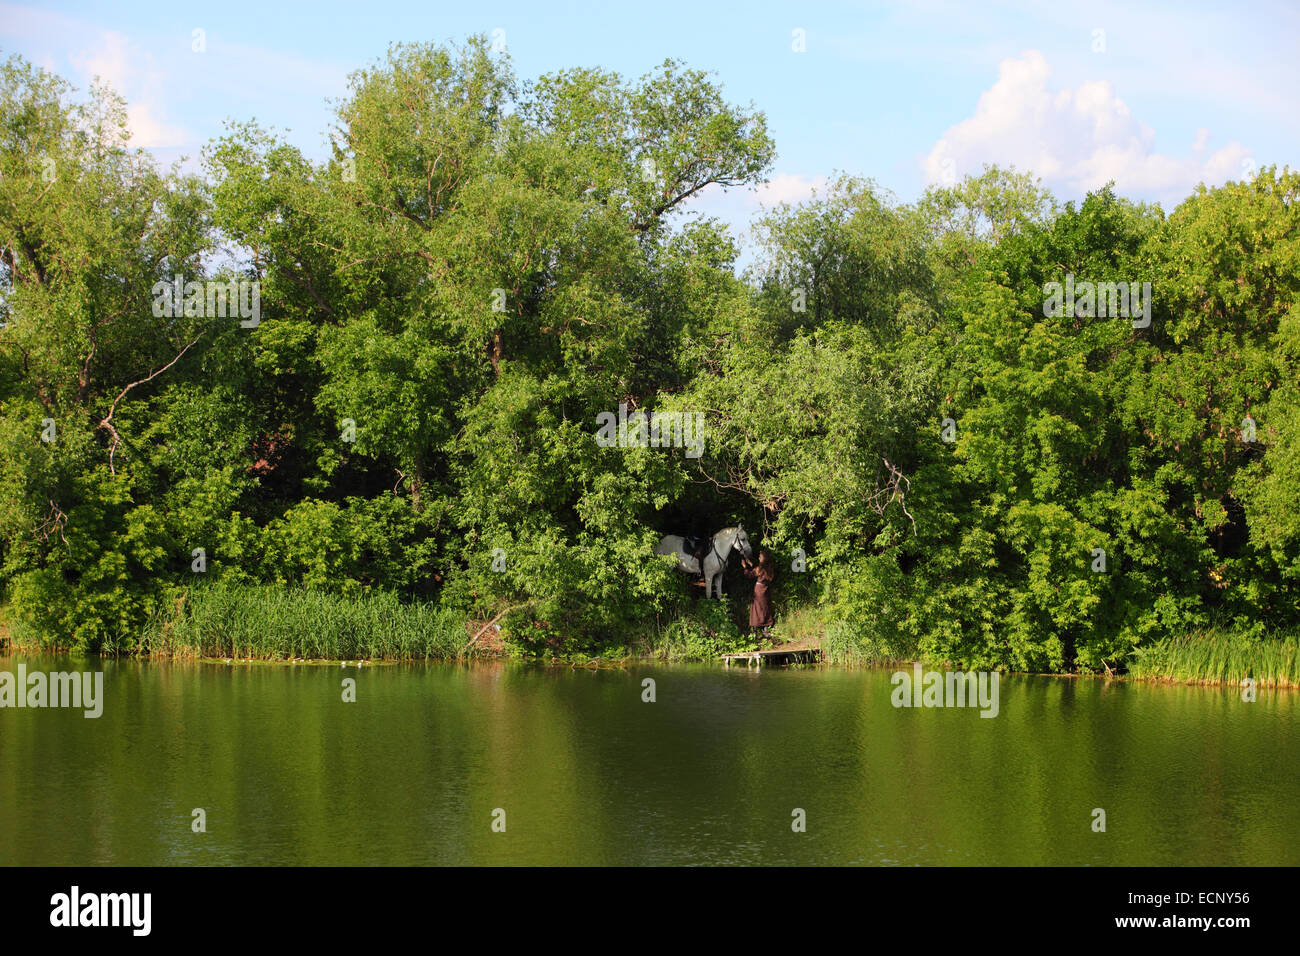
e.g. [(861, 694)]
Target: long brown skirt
[(760, 610)]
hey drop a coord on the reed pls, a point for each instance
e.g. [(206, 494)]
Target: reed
[(1221, 657), (846, 645), (283, 623)]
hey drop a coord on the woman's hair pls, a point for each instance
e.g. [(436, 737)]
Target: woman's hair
[(765, 569)]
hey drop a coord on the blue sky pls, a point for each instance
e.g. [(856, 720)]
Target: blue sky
[(1157, 97)]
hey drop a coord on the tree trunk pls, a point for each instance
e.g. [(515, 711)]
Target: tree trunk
[(417, 481), (497, 349)]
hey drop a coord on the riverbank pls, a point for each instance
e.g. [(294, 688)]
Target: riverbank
[(293, 625)]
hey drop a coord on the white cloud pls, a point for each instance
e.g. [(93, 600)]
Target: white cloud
[(132, 74), (791, 188), (737, 206), (164, 81), (1077, 139)]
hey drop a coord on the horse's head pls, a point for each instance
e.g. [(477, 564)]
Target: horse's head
[(743, 545)]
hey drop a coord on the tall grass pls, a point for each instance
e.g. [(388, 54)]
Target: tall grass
[(284, 623), (845, 645), (700, 630), (802, 623), (1215, 656)]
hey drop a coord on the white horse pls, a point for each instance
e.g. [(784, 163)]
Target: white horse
[(715, 562)]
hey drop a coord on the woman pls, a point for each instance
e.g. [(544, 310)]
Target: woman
[(760, 609)]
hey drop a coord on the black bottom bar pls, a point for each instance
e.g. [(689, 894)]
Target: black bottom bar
[(337, 905)]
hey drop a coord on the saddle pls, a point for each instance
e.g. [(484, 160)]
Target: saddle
[(698, 548)]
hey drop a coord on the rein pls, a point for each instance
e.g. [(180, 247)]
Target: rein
[(713, 546), (713, 549)]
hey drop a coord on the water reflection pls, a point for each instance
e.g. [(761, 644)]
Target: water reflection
[(588, 773)]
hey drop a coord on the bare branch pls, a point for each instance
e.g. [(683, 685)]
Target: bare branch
[(53, 524), (896, 493), (107, 421)]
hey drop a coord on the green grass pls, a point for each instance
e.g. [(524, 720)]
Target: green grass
[(807, 623), (846, 645), (703, 630), (280, 623), (1219, 657)]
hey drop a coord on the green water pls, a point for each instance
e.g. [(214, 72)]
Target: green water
[(587, 773)]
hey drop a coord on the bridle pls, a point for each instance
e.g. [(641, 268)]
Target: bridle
[(713, 547)]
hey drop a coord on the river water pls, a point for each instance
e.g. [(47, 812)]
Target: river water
[(580, 769)]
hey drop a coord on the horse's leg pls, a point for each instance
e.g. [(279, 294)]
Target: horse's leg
[(722, 565)]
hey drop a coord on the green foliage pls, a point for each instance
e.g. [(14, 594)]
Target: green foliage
[(702, 632)]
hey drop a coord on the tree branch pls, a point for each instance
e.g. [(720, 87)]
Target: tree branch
[(107, 421)]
